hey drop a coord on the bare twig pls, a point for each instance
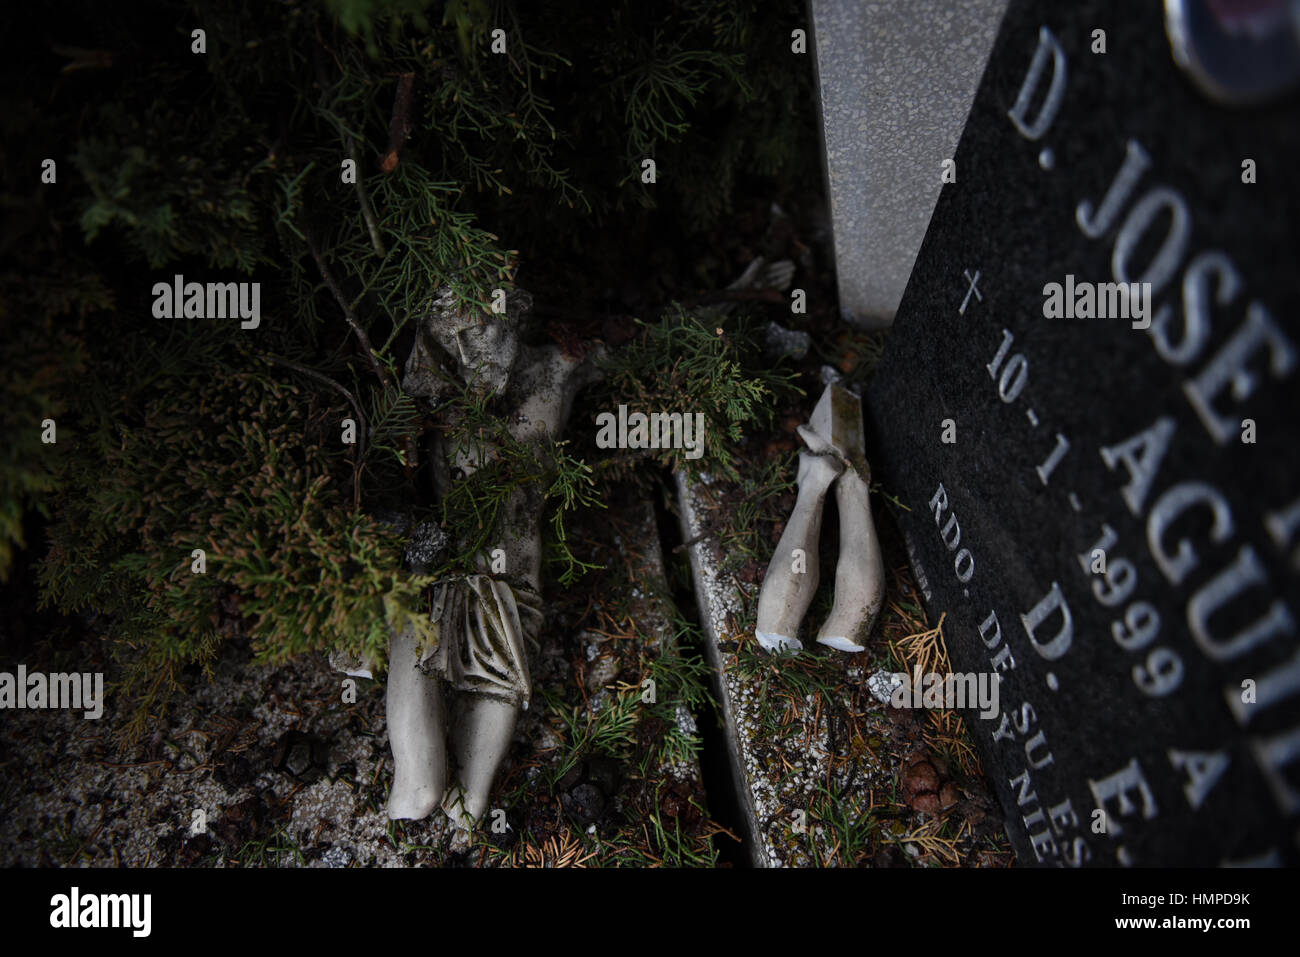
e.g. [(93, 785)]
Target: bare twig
[(366, 212), (360, 333)]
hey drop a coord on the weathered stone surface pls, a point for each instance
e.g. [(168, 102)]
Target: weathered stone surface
[(896, 81)]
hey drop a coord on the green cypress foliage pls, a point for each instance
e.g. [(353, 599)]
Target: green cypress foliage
[(184, 434)]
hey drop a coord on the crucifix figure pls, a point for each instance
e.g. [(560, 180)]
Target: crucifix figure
[(452, 702)]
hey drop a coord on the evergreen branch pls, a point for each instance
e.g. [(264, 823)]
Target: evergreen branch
[(351, 318), (395, 422)]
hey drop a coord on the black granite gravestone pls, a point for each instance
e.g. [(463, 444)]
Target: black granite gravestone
[(1113, 525)]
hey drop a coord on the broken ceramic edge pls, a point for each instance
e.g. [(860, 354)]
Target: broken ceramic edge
[(425, 543), (355, 666), (761, 273), (840, 643), (778, 643), (423, 375), (819, 444)]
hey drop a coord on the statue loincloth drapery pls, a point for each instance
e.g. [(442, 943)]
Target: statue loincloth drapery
[(480, 640)]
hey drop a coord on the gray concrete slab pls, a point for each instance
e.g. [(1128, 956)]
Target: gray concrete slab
[(896, 81)]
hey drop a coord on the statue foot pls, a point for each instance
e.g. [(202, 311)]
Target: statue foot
[(412, 800), (482, 738), (453, 805)]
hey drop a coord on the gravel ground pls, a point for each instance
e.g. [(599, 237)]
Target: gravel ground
[(283, 766), (259, 753)]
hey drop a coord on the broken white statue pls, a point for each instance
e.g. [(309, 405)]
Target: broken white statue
[(835, 455), (483, 621)]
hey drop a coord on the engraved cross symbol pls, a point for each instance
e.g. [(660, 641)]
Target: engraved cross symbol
[(972, 280)]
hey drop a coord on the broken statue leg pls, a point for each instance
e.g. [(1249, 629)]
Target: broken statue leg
[(859, 571), (792, 575), (414, 732)]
